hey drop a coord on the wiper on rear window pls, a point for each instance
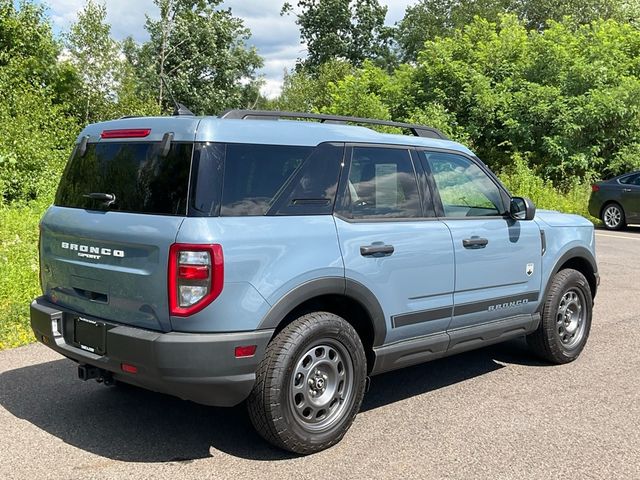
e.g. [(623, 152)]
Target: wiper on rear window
[(107, 198)]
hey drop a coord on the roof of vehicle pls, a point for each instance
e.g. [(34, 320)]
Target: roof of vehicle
[(271, 132)]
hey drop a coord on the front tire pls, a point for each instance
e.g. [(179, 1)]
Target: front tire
[(310, 384), (566, 319), (613, 217)]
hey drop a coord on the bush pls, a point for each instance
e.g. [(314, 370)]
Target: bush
[(36, 140), (523, 181)]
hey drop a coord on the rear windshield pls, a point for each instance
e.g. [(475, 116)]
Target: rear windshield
[(140, 178)]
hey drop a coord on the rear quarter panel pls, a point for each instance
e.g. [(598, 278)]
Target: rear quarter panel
[(609, 192), (264, 258)]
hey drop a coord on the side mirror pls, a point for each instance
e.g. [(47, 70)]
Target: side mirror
[(522, 208)]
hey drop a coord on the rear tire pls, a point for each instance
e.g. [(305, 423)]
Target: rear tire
[(613, 217), (566, 319), (310, 384)]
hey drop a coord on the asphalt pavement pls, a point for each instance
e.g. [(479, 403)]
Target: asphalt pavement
[(496, 413)]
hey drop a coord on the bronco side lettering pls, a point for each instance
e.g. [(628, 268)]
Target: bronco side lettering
[(513, 304)]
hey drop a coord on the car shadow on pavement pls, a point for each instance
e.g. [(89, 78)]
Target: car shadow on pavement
[(131, 424)]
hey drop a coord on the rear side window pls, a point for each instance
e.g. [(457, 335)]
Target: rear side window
[(249, 180), (254, 175), (631, 180), (208, 174), (140, 178), (312, 190)]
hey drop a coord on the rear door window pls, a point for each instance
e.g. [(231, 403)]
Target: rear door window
[(140, 178), (381, 184)]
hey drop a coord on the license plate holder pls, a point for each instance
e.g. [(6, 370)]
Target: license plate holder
[(90, 335)]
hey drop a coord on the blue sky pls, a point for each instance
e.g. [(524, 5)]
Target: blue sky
[(276, 38)]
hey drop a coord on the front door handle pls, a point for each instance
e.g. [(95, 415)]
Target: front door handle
[(376, 250), (474, 242), (626, 190)]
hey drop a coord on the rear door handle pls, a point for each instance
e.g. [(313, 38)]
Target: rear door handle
[(376, 250), (474, 243)]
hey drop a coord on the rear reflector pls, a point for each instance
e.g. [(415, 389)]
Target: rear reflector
[(126, 133), (246, 351), (595, 188), (128, 368)]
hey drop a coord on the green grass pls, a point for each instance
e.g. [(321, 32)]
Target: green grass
[(19, 244), (18, 271)]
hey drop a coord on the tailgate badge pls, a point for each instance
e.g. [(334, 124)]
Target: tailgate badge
[(87, 251)]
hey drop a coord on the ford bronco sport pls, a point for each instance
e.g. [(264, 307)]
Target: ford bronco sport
[(284, 262)]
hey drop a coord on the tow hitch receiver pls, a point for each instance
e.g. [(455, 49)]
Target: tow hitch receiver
[(87, 372)]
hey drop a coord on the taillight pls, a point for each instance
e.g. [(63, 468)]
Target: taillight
[(196, 277), (595, 188)]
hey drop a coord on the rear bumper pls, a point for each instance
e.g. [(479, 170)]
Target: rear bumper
[(193, 366)]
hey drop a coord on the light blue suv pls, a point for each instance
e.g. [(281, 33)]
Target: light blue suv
[(284, 262)]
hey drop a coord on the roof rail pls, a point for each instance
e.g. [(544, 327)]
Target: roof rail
[(417, 130)]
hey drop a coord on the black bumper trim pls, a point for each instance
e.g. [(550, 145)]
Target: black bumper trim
[(200, 367)]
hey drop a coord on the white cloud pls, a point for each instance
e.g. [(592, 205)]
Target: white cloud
[(127, 17), (276, 37), (271, 87)]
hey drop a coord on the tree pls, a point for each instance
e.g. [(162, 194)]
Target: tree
[(27, 44), (133, 96), (537, 13), (565, 99), (36, 133), (429, 19), (304, 92), (351, 30), (36, 138), (95, 55), (201, 50)]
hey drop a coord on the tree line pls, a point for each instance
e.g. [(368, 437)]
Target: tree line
[(556, 83)]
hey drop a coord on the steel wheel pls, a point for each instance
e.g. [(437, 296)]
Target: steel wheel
[(565, 318), (570, 318), (612, 217), (310, 384), (321, 385)]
